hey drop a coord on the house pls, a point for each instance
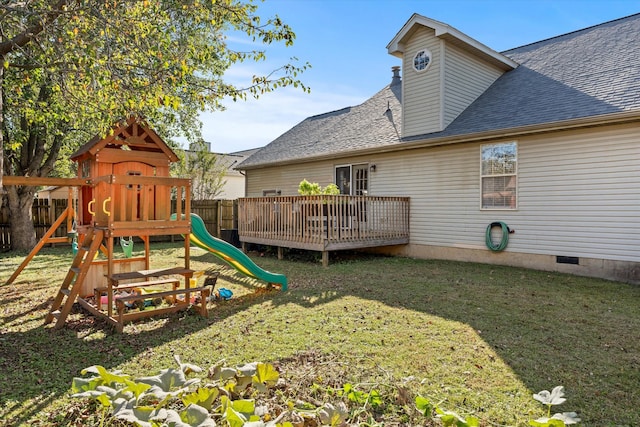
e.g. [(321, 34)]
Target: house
[(52, 192), (234, 179), (542, 138), (230, 183)]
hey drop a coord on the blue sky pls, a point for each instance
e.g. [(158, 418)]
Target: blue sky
[(345, 43)]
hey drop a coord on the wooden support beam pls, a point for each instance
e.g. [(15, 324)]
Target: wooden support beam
[(37, 181), (45, 239), (325, 258)]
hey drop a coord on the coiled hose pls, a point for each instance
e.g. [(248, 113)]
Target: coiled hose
[(504, 241)]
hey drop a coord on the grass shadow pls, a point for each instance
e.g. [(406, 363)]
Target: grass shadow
[(548, 328)]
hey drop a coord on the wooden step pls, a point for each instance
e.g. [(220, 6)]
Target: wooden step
[(140, 284), (201, 306), (143, 274), (203, 289), (67, 292)]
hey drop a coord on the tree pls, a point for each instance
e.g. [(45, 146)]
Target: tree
[(70, 68), (206, 170)]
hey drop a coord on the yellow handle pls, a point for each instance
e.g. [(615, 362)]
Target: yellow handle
[(89, 205), (104, 206)]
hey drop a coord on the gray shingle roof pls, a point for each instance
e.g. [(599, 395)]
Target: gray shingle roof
[(586, 73)]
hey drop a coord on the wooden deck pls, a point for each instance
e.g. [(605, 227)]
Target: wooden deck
[(324, 223)]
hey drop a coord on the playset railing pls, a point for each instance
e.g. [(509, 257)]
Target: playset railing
[(126, 204)]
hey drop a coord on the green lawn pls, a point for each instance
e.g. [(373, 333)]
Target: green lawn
[(478, 339)]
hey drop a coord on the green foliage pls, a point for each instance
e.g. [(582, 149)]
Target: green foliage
[(96, 61), (424, 406), (452, 419), (549, 399), (360, 397), (331, 190), (245, 395), (74, 68), (206, 170), (169, 398), (306, 188)]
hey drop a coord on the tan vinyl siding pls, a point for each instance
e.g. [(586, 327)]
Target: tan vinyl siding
[(570, 201), (287, 178), (465, 79), (578, 192), (422, 104), (582, 194)]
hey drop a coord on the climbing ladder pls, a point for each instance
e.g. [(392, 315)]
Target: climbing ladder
[(74, 279)]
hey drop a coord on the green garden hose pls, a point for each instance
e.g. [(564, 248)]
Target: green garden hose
[(505, 236)]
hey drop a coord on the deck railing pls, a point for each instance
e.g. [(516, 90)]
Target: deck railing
[(324, 222)]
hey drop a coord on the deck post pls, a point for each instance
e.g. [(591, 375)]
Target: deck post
[(325, 258), (280, 253)]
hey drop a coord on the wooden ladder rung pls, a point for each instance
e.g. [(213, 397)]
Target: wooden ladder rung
[(67, 292), (55, 314), (75, 269)]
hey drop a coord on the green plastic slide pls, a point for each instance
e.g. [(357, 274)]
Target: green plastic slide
[(230, 254)]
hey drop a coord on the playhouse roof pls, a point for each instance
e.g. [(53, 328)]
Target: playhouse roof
[(136, 135)]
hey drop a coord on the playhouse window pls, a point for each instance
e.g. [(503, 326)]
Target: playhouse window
[(498, 169), (86, 169), (134, 173)]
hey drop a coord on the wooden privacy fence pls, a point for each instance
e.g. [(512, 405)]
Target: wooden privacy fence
[(218, 215), (44, 214)]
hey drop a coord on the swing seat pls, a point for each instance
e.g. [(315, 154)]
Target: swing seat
[(127, 247)]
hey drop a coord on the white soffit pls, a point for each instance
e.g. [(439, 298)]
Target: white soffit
[(446, 32)]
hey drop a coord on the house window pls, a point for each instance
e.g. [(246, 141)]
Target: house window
[(422, 60), (353, 179), (499, 176)]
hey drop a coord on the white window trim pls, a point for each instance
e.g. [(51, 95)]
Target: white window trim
[(515, 175), (350, 166), (413, 60)]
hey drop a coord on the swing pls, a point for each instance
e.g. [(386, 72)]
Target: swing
[(127, 246), (74, 244), (73, 236)]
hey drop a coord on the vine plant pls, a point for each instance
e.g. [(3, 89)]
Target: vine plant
[(230, 397), (170, 399), (452, 419), (254, 395)]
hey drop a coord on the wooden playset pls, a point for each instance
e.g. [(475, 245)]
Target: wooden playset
[(124, 191)]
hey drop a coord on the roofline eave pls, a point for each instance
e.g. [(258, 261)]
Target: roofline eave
[(561, 125), (396, 46)]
